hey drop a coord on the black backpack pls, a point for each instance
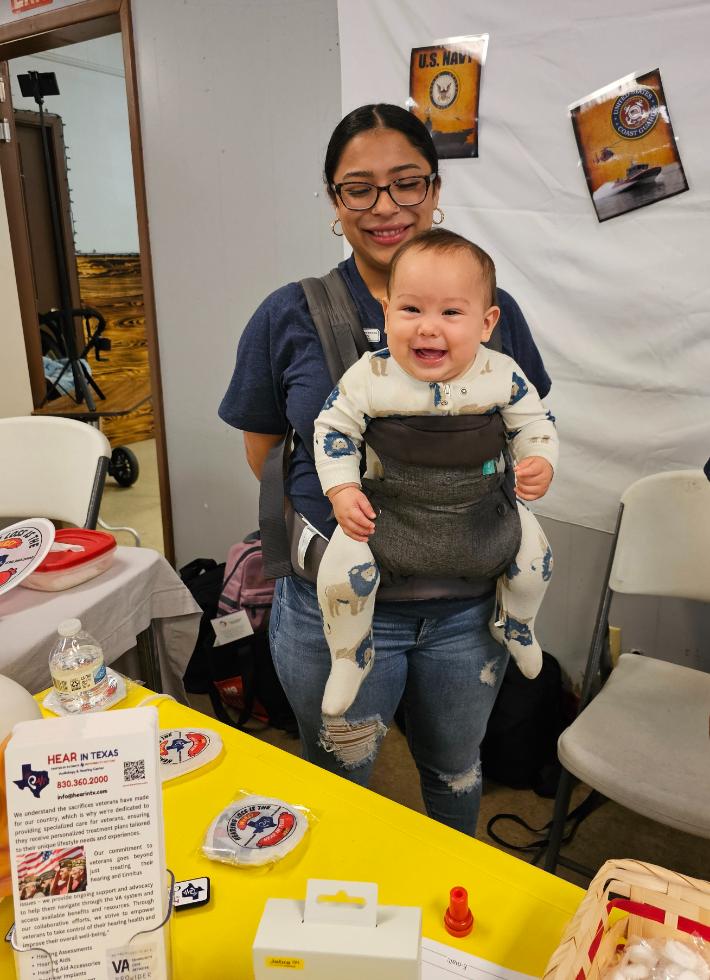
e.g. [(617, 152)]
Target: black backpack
[(520, 745), (239, 675)]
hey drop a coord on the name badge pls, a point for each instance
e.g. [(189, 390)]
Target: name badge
[(234, 626)]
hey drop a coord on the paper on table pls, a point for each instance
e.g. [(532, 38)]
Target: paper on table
[(440, 962)]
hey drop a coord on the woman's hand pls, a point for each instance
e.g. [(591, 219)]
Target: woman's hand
[(533, 476), (353, 511)]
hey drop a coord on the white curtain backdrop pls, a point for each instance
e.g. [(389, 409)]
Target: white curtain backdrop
[(620, 310)]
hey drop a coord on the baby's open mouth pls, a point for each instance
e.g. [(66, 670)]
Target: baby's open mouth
[(428, 353)]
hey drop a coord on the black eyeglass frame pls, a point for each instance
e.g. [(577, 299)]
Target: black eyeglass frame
[(337, 190)]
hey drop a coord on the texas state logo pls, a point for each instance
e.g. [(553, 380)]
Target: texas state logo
[(635, 113), (35, 780)]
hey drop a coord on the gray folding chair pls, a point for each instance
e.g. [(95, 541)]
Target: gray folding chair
[(641, 739)]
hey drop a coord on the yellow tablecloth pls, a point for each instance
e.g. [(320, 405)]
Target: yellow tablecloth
[(520, 911)]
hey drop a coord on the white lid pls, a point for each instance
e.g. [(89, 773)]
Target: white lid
[(69, 627)]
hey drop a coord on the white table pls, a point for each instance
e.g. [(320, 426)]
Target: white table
[(139, 601)]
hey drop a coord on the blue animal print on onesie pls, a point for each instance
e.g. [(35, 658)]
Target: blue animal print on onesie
[(437, 393), (512, 570), (547, 565), (519, 389), (336, 445), (328, 403), (363, 654), (515, 630), (364, 578)]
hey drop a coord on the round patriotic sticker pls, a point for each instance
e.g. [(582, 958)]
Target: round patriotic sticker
[(183, 749), (635, 113), (259, 830), (23, 546)]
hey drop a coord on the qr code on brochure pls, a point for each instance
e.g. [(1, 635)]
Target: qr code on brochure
[(133, 771)]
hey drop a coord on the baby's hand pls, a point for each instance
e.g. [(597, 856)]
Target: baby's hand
[(353, 511), (533, 476)]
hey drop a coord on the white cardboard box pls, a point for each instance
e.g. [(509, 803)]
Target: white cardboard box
[(339, 931)]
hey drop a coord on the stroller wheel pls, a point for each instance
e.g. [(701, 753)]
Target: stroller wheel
[(123, 466)]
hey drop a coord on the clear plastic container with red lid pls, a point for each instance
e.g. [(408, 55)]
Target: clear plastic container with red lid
[(76, 556)]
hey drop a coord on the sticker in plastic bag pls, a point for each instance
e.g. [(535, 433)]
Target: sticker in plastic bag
[(255, 830)]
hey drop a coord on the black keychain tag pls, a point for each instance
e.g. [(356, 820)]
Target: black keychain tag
[(191, 893)]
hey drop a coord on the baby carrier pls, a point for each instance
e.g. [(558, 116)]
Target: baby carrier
[(434, 503)]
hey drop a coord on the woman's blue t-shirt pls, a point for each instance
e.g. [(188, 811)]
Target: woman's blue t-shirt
[(281, 377)]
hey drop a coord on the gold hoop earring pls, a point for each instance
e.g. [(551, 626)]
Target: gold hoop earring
[(441, 217), (334, 222)]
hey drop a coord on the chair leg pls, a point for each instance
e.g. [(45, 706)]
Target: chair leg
[(564, 793)]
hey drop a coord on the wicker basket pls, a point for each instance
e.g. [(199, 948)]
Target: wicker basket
[(628, 898)]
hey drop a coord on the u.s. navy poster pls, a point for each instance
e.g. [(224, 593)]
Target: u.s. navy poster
[(444, 87), (627, 146)]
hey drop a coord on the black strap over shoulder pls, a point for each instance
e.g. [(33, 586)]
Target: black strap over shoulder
[(275, 546), (343, 341), (337, 321)]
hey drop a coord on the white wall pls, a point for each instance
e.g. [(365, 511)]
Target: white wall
[(93, 107), (238, 100)]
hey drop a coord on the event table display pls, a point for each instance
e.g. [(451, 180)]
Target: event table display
[(354, 835)]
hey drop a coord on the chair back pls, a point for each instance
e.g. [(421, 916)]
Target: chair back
[(52, 467), (663, 547)]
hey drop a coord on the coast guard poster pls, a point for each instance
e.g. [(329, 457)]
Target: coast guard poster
[(627, 146), (444, 87)]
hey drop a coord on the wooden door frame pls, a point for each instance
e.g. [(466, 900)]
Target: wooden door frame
[(31, 35)]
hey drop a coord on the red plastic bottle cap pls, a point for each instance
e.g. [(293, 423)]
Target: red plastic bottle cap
[(458, 919)]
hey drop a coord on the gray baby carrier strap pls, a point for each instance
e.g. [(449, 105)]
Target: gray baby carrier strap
[(287, 540)]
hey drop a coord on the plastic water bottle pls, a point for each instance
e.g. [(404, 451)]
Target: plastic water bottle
[(76, 664)]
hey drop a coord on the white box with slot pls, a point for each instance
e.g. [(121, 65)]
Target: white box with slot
[(339, 931)]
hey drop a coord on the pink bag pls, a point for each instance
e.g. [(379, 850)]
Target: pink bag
[(244, 586)]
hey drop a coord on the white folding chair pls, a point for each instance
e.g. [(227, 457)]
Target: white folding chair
[(53, 467), (642, 740)]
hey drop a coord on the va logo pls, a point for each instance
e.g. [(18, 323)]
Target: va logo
[(121, 966), (34, 780)]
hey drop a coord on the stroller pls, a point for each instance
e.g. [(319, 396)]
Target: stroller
[(60, 371)]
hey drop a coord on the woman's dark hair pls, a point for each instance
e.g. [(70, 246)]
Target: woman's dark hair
[(380, 116)]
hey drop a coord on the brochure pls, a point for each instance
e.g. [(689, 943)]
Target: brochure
[(86, 846)]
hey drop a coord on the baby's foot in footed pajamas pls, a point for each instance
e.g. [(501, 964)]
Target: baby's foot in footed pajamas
[(522, 645)]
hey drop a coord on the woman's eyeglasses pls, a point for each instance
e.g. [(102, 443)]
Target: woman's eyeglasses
[(357, 195)]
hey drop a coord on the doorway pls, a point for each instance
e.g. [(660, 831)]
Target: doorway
[(95, 167)]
